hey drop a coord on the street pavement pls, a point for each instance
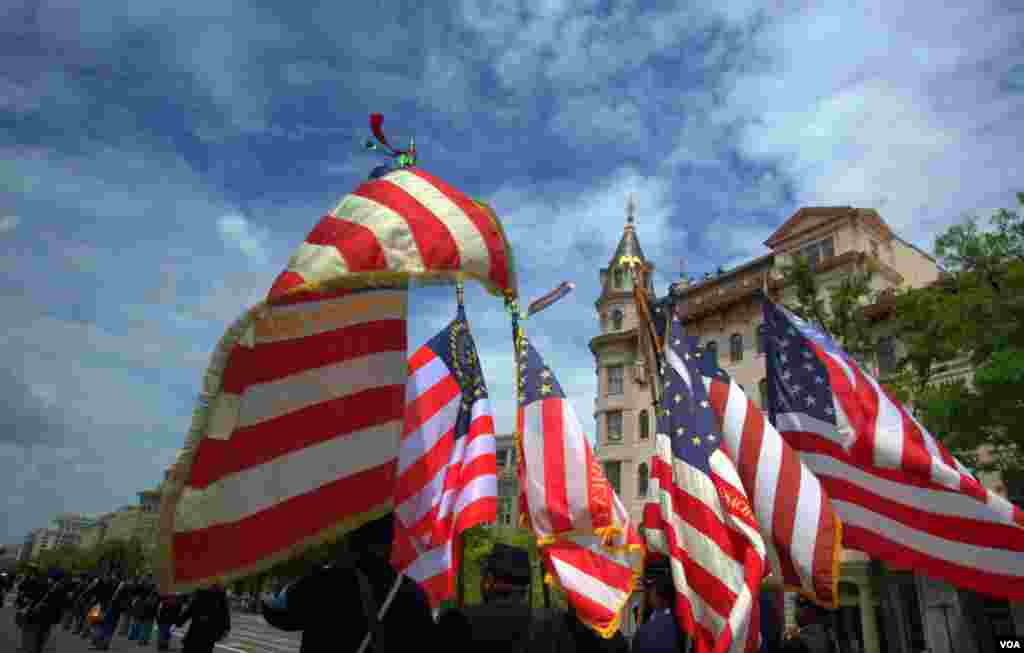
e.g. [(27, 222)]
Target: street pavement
[(249, 634)]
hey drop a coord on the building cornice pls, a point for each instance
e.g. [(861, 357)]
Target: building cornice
[(604, 339), (613, 295)]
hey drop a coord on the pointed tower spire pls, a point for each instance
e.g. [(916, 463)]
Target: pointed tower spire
[(628, 253)]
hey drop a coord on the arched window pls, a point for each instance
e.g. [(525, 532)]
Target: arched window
[(645, 425), (619, 278), (760, 338), (642, 477), (616, 320), (736, 348), (762, 390), (712, 351)]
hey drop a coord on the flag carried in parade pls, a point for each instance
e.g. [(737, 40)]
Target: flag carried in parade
[(296, 436), (793, 511), (699, 515), (902, 497), (802, 531), (588, 545), (447, 467)]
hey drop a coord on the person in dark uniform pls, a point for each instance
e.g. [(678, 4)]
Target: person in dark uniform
[(167, 616), (333, 605), (506, 622), (815, 634), (211, 620), (505, 619), (661, 632)]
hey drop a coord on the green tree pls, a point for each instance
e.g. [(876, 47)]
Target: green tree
[(975, 312), (838, 310)]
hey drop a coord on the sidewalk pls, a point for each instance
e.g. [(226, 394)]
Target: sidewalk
[(62, 641)]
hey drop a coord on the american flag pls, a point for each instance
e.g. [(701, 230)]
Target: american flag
[(447, 468), (407, 223), (900, 494), (699, 515), (299, 431), (588, 544), (300, 435), (793, 510)]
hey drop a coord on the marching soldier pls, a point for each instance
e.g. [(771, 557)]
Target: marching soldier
[(661, 632), (362, 582), (506, 621)]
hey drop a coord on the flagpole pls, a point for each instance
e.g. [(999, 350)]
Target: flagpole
[(459, 545)]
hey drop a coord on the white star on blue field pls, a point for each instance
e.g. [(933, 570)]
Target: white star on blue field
[(161, 160)]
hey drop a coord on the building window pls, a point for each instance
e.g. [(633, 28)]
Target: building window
[(886, 355), (642, 478), (617, 320), (760, 338), (762, 391), (613, 472), (736, 348), (874, 249), (817, 252), (615, 375), (613, 422), (604, 322), (828, 248), (501, 456), (645, 425), (505, 512), (619, 279), (712, 351)]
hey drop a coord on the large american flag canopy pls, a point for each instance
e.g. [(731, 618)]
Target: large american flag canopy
[(406, 224)]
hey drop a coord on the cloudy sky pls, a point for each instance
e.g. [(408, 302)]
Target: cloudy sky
[(160, 161)]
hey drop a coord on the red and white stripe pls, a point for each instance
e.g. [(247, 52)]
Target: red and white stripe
[(301, 435), (407, 222), (446, 483), (705, 526), (588, 545), (566, 489), (793, 511), (901, 495), (598, 573)]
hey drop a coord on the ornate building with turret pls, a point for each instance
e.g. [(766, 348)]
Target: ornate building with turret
[(881, 608)]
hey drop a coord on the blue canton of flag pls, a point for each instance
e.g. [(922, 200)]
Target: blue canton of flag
[(797, 378), (454, 345), (686, 415), (700, 515), (535, 379)]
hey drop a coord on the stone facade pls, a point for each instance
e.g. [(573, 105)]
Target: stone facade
[(508, 483), (881, 609)]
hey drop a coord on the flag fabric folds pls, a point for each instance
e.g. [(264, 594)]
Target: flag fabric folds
[(447, 467), (900, 494), (793, 511), (699, 515), (405, 224), (588, 545), (297, 437)]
